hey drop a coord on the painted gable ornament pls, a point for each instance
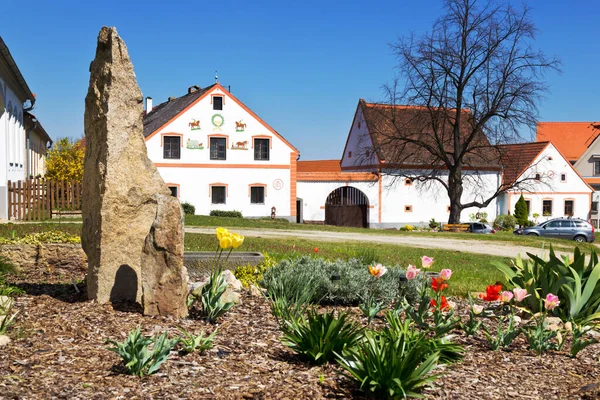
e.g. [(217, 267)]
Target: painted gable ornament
[(240, 126), (217, 121), (194, 145), (194, 125), (240, 145)]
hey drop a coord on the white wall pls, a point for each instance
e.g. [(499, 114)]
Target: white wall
[(195, 189), (358, 144), (427, 201), (12, 142)]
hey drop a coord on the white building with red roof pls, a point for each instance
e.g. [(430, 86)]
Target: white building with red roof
[(217, 154)]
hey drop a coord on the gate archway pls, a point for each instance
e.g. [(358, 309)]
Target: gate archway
[(347, 206)]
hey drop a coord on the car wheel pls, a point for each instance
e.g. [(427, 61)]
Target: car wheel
[(532, 234), (580, 239)]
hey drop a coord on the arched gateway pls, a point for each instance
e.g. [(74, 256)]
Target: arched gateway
[(347, 206)]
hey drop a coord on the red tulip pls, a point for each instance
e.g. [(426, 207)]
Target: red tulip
[(316, 249), (437, 284), (445, 305), (492, 293)]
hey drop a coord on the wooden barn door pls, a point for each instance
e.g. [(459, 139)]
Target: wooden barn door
[(347, 206)]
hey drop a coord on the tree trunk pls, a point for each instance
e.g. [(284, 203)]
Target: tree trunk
[(455, 189)]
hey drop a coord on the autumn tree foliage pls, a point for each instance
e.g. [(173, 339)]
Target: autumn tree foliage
[(65, 160)]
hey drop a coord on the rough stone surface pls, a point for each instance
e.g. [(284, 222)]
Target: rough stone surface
[(4, 340), (231, 280), (255, 291), (128, 212), (55, 255), (163, 275)]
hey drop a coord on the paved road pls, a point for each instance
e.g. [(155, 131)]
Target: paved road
[(470, 246)]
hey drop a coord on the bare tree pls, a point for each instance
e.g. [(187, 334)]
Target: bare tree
[(472, 83)]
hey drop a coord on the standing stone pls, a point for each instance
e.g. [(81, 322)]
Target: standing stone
[(132, 227)]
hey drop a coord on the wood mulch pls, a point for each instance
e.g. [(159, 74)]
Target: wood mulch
[(59, 351)]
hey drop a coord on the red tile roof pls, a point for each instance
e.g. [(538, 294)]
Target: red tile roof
[(570, 138), (398, 131), (328, 171), (516, 158)]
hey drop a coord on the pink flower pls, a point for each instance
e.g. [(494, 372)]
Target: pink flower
[(446, 274), (426, 262), (477, 309), (520, 294), (412, 272), (506, 296), (551, 301)]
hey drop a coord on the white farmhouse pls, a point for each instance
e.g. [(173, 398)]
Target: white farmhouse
[(23, 141), (554, 188), (217, 154), (365, 189)]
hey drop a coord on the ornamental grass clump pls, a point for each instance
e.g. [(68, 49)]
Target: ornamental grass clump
[(396, 362), (317, 337), (137, 356)]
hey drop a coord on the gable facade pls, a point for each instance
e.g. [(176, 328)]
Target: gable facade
[(552, 187), (215, 153)]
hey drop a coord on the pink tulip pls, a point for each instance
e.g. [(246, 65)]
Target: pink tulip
[(426, 262), (506, 296), (412, 272), (477, 309), (520, 294), (551, 301), (446, 274)]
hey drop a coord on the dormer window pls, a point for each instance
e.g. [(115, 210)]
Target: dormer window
[(217, 102)]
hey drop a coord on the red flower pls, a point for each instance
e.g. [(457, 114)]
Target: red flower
[(316, 249), (437, 284), (445, 305), (492, 293)]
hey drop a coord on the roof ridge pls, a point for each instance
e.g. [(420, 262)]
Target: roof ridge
[(566, 122)]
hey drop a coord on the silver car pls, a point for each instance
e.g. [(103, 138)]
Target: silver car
[(561, 228)]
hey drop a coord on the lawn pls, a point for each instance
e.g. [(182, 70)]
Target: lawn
[(502, 237)]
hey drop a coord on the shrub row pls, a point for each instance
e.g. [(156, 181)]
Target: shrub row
[(222, 213)]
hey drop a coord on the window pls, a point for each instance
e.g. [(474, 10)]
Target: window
[(408, 182), (218, 148), (407, 208), (349, 154), (174, 191), (563, 177), (217, 102), (553, 224), (566, 224), (528, 203), (538, 177), (218, 194), (594, 206), (257, 194), (569, 207), (172, 147), (261, 149), (547, 207)]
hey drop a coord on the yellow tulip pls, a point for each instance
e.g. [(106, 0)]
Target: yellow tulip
[(222, 232), (236, 240), (225, 242)]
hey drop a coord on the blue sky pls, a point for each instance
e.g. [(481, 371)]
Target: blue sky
[(301, 66)]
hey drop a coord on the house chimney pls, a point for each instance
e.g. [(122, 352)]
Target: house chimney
[(193, 89), (148, 104)]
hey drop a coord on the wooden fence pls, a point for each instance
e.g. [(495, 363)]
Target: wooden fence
[(37, 199)]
